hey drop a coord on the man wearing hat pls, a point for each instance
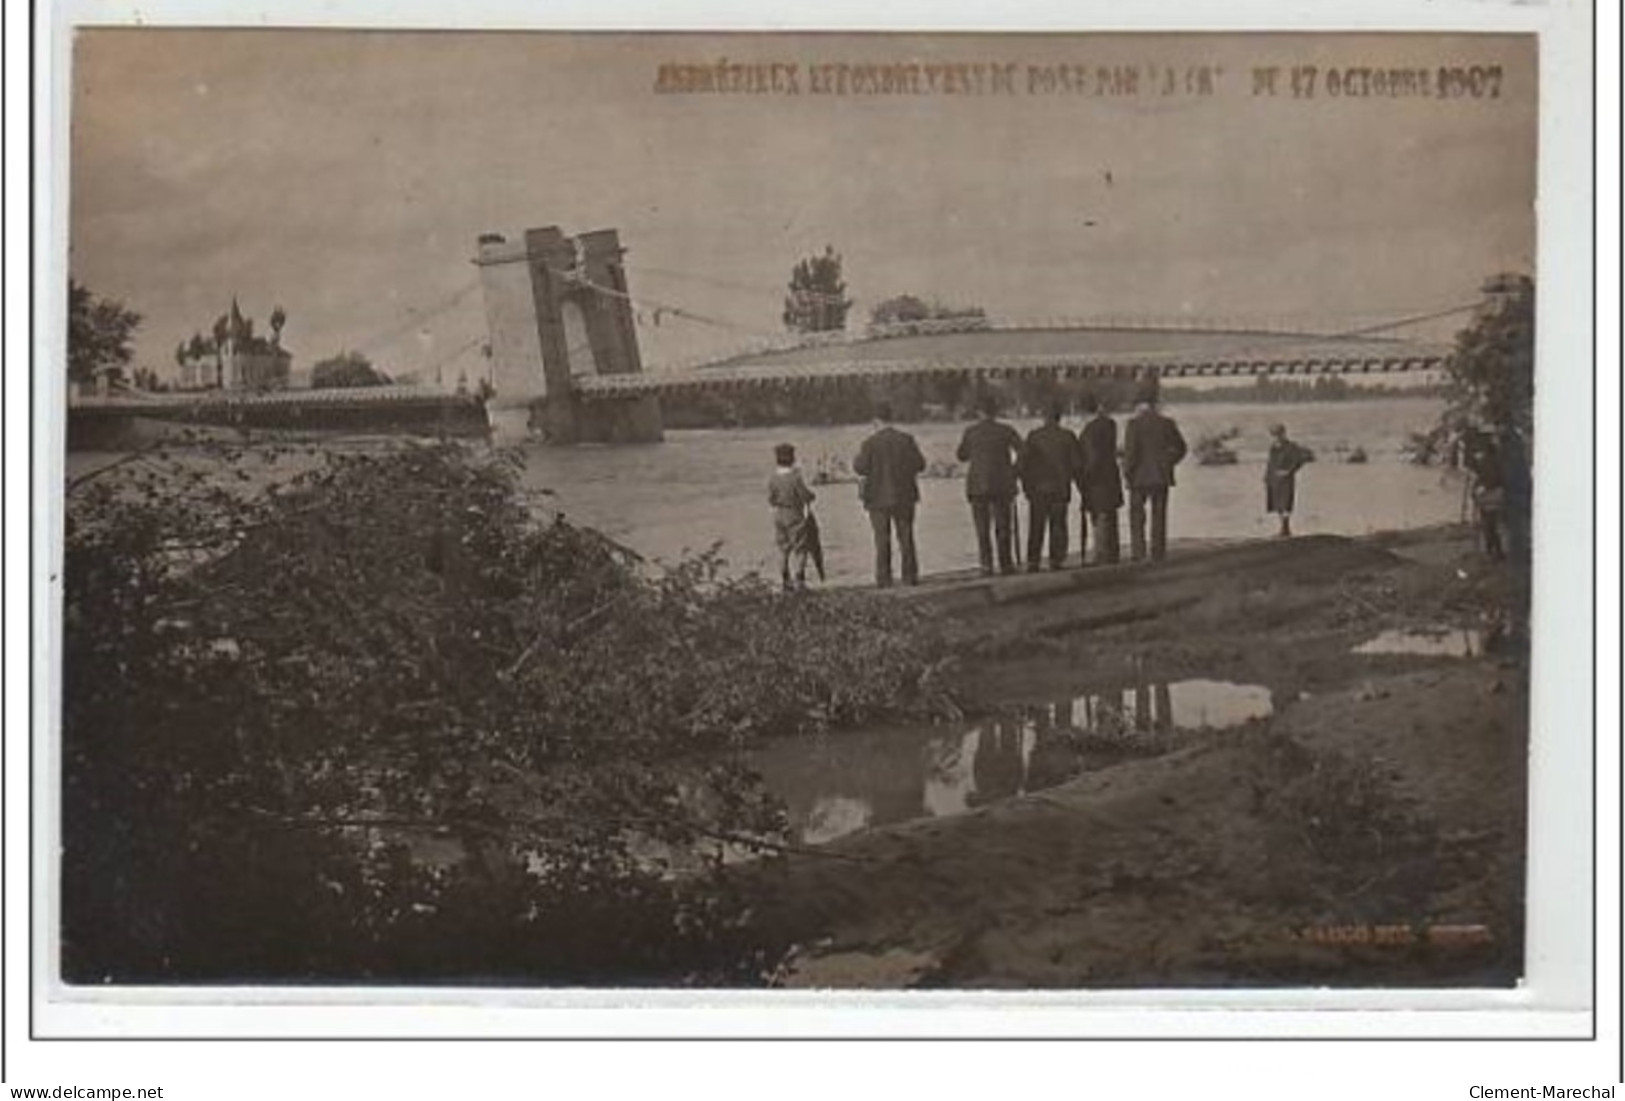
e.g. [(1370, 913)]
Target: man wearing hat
[(1100, 482), (992, 448), (1152, 447), (889, 462), (1049, 464)]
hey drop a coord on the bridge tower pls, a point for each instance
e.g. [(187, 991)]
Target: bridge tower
[(557, 309)]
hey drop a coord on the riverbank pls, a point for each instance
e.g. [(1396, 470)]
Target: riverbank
[(1368, 831), (701, 487)]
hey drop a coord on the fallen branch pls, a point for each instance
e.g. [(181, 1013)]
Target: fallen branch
[(139, 455)]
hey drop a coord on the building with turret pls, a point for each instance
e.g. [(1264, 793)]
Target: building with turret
[(233, 357)]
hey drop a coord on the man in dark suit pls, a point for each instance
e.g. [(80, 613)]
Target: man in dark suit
[(1049, 463), (1152, 447), (991, 447), (1100, 483), (889, 462)]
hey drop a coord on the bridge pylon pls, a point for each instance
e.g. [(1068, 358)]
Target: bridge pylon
[(557, 311)]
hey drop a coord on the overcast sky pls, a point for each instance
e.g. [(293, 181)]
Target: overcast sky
[(345, 176)]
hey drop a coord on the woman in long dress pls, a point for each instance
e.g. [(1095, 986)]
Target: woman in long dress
[(1281, 476)]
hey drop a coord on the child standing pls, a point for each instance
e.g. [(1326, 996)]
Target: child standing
[(789, 497)]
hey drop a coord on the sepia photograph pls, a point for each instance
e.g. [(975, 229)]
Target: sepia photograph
[(796, 511)]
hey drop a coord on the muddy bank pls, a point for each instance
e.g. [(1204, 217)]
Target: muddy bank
[(1368, 830)]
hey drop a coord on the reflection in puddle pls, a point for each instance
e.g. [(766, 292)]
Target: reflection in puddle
[(950, 773), (844, 782), (1164, 706), (841, 783), (1441, 642), (834, 816)]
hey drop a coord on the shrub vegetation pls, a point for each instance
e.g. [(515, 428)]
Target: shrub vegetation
[(378, 722)]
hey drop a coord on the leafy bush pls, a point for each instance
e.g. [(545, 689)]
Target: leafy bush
[(280, 704), (1428, 448), (346, 370), (1338, 829)]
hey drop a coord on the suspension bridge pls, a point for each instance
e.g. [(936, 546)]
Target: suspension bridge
[(562, 355), (1010, 352)]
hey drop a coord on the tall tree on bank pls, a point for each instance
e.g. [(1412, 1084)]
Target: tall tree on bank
[(1492, 373), (817, 301), (100, 331)]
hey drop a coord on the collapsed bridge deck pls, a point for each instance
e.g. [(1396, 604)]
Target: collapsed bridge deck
[(1030, 353)]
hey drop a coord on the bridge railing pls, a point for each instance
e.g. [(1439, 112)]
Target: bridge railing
[(206, 399), (1153, 323)]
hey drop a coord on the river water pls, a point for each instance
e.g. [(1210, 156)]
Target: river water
[(705, 486)]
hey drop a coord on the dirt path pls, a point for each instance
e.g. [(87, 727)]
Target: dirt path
[(1383, 800)]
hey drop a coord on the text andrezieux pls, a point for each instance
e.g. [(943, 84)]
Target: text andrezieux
[(914, 78)]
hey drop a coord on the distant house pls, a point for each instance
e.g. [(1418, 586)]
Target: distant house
[(232, 357)]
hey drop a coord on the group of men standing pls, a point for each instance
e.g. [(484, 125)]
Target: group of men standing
[(1045, 466)]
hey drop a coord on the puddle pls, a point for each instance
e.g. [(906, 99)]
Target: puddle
[(845, 782), (842, 783), (1441, 642), (1166, 706)]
